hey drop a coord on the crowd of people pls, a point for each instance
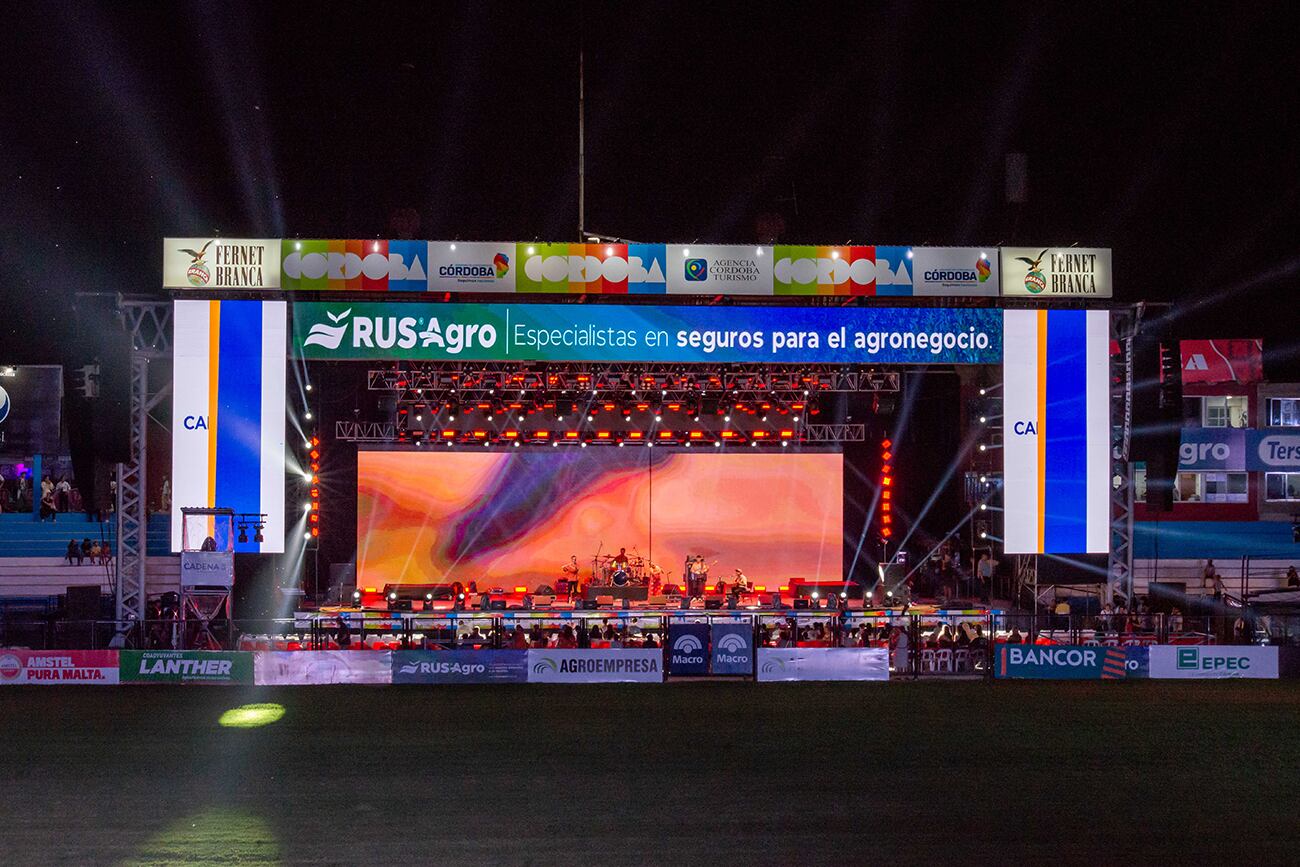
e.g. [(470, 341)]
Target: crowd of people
[(52, 497), (94, 552)]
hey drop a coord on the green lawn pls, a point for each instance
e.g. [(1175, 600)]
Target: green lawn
[(709, 773)]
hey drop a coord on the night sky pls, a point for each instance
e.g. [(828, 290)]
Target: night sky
[(1167, 135)]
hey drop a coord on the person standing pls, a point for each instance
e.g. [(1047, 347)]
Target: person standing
[(1213, 581), (984, 570), (63, 494), (166, 500)]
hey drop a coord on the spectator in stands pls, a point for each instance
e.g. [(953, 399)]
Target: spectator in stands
[(47, 503), (1212, 580), (537, 635), (74, 553), (1145, 620), (518, 639), (567, 638), (583, 636), (342, 635), (1292, 579), (85, 547), (1104, 618), (96, 552), (978, 640), (610, 634), (475, 636), (1175, 621), (1015, 637), (63, 494), (650, 640)]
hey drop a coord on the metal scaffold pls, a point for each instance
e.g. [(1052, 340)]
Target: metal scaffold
[(149, 324)]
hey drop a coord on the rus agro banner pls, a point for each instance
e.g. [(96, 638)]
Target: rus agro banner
[(58, 666), (186, 666), (595, 666), (733, 648), (311, 667), (688, 648), (460, 666), (1069, 662), (1175, 661), (823, 663), (572, 332)]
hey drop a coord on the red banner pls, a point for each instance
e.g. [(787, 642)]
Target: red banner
[(58, 666), (1222, 360)]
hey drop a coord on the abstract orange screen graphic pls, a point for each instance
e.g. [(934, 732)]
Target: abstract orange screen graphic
[(514, 518)]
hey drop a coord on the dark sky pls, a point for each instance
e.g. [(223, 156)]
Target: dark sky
[(1166, 131)]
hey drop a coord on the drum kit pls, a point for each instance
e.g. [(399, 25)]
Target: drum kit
[(633, 570)]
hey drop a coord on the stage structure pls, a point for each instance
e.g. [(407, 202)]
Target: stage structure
[(763, 331)]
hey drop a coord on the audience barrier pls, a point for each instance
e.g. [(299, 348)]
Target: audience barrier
[(823, 663), (1214, 662), (596, 666), (460, 666), (58, 667), (1069, 662), (186, 666), (319, 667)]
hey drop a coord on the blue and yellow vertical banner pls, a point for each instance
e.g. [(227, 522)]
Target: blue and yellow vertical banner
[(1056, 431), (228, 413)]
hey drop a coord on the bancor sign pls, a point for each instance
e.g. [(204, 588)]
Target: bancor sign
[(1069, 662)]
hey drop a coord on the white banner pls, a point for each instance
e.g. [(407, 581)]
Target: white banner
[(1045, 272), (221, 263), (310, 667), (953, 271), (1206, 661), (823, 663), (596, 666), (456, 266), (700, 269)]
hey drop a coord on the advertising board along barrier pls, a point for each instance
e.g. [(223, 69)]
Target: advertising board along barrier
[(58, 667), (186, 666), (460, 666), (1069, 662), (822, 663), (733, 648), (627, 665), (688, 648), (1213, 661), (313, 667)]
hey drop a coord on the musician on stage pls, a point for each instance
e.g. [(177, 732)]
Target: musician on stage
[(569, 583), (621, 560), (742, 584)]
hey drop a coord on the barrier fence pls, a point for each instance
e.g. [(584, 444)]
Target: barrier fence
[(539, 647)]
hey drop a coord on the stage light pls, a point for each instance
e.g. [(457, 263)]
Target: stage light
[(591, 417), (695, 417), (984, 507), (983, 392), (306, 536), (451, 418), (659, 418), (983, 419), (816, 595), (717, 444), (785, 443), (419, 417), (983, 479), (306, 507), (983, 535), (983, 448), (356, 595), (726, 418), (307, 415), (392, 597), (844, 595), (257, 533), (516, 443), (243, 533), (753, 445), (764, 418), (309, 386), (428, 597)]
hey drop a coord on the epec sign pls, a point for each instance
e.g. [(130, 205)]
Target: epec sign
[(1214, 661)]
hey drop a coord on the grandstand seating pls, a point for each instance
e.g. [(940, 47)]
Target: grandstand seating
[(31, 555), (20, 536)]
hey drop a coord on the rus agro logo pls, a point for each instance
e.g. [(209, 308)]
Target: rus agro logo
[(385, 332)]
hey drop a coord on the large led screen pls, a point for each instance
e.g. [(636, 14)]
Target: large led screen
[(514, 518)]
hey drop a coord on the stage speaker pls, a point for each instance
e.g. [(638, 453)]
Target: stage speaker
[(802, 602), (776, 600), (712, 604), (81, 602), (496, 605), (588, 605)]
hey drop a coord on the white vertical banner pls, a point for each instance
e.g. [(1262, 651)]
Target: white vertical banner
[(1021, 505)]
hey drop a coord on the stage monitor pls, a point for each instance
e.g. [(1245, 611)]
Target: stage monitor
[(507, 518)]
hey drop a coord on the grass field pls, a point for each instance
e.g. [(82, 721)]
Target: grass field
[(710, 773)]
